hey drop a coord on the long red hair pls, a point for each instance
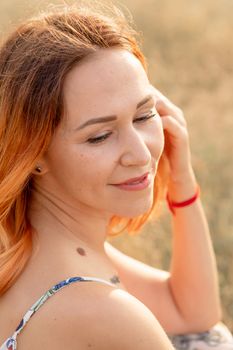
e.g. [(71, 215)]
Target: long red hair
[(34, 61)]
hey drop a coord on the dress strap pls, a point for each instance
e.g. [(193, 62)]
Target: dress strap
[(11, 342)]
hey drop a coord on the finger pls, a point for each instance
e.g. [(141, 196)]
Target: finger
[(156, 92), (160, 98), (165, 107), (174, 128)]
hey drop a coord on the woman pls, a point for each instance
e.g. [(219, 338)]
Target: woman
[(82, 153)]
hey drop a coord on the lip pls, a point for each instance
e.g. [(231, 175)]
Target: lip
[(135, 179), (143, 183)]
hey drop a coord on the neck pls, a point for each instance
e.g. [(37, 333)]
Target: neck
[(55, 220)]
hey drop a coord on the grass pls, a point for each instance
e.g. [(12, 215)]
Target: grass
[(189, 49)]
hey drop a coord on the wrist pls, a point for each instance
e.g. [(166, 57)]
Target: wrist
[(182, 187), (178, 178)]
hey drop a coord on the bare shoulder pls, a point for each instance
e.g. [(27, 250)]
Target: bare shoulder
[(93, 316)]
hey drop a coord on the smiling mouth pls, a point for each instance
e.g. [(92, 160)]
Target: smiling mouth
[(135, 180), (141, 183)]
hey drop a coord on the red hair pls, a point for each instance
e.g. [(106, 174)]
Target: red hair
[(34, 61)]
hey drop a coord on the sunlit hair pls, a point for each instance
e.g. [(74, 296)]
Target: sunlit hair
[(34, 61)]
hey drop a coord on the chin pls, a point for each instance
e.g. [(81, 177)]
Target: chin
[(134, 210)]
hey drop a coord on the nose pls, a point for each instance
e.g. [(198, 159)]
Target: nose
[(135, 151)]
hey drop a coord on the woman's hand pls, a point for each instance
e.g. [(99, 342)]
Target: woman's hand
[(177, 147), (192, 281)]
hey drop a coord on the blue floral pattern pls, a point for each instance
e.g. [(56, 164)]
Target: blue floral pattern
[(217, 338)]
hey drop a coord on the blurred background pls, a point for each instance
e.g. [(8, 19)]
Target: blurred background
[(188, 45)]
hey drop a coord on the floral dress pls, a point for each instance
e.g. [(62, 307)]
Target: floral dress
[(217, 338)]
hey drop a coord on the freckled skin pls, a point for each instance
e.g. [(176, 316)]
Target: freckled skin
[(82, 173), (75, 197)]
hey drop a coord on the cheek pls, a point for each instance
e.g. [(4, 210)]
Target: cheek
[(90, 166)]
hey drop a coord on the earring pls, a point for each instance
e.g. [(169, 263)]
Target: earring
[(38, 169)]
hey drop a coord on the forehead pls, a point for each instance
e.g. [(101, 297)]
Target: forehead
[(108, 80)]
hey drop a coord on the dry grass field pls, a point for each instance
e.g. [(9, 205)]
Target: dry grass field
[(188, 44)]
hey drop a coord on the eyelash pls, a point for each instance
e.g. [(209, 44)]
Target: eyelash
[(102, 138)]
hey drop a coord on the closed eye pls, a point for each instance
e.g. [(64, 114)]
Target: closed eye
[(99, 139), (148, 116)]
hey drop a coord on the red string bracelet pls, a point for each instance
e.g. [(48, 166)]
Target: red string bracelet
[(172, 204)]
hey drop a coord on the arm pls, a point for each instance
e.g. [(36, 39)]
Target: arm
[(187, 298), (193, 281)]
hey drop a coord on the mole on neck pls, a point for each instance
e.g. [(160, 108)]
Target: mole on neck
[(81, 251)]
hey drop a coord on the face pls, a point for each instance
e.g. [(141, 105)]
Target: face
[(87, 158)]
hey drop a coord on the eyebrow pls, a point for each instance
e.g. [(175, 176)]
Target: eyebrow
[(111, 118)]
